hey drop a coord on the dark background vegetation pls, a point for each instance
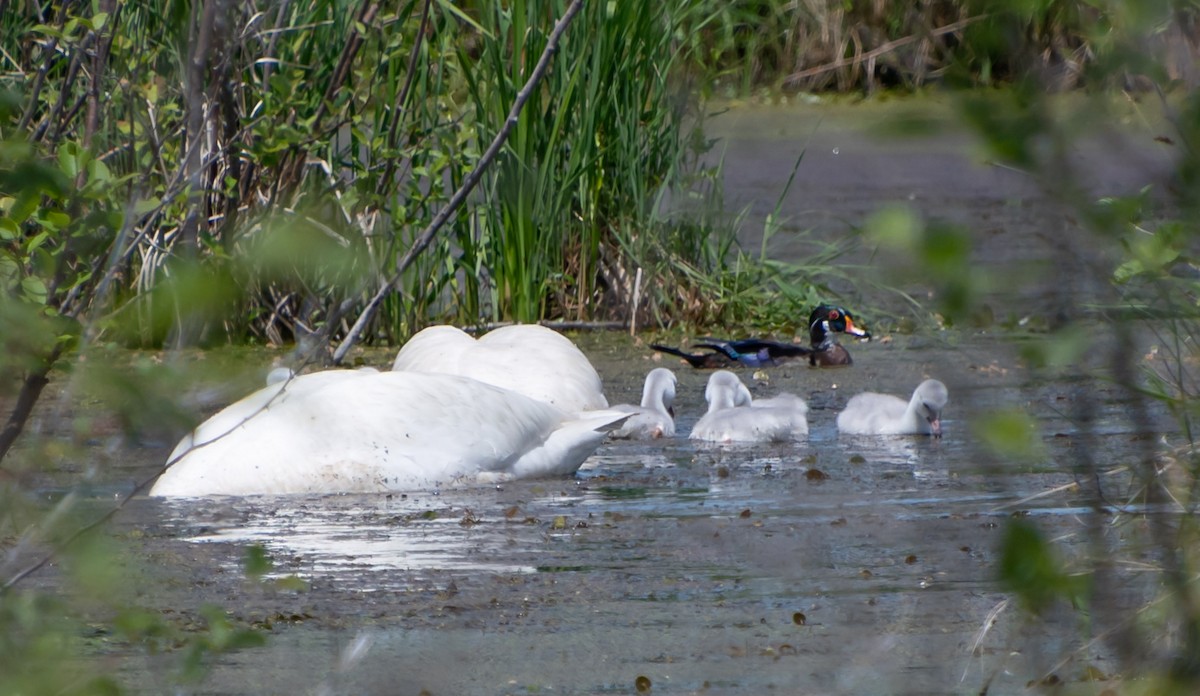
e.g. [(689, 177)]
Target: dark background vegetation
[(179, 173)]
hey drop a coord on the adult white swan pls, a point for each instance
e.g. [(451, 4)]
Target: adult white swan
[(527, 358), (655, 417), (355, 431), (883, 414), (734, 416)]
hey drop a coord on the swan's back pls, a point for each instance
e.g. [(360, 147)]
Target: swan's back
[(870, 413), (349, 431), (527, 358), (749, 424), (733, 416)]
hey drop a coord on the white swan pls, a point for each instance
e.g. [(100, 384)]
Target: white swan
[(733, 416), (279, 374), (883, 414), (655, 417), (358, 431), (527, 358)]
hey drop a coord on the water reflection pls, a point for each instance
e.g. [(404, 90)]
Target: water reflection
[(341, 534)]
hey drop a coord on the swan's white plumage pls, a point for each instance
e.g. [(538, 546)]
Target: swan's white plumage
[(279, 374), (527, 358), (654, 417), (733, 416), (870, 413), (357, 431)]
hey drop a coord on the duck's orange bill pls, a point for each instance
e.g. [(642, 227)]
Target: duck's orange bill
[(852, 329)]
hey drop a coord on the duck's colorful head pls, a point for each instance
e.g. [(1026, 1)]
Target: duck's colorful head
[(827, 319)]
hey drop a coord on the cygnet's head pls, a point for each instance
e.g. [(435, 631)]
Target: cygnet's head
[(660, 389), (725, 390), (932, 397)]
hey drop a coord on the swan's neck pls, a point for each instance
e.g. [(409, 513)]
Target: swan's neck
[(655, 400), (914, 415)]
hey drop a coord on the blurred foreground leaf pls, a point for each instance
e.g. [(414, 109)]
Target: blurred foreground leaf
[(1030, 569)]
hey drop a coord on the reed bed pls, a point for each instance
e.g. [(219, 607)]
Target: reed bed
[(290, 153)]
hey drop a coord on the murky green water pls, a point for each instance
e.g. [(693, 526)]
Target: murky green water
[(843, 565), (706, 569)]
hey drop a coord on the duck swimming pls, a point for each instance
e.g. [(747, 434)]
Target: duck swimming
[(655, 418), (350, 431), (823, 351), (883, 414), (734, 416), (527, 358)]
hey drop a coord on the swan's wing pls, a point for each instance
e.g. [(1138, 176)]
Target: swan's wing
[(540, 363), (527, 358), (564, 450), (434, 349), (643, 423), (387, 431), (256, 404)]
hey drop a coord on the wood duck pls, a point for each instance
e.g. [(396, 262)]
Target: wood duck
[(824, 351), (755, 352), (747, 352), (711, 360), (823, 324)]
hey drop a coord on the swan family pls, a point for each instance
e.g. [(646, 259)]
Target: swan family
[(520, 402)]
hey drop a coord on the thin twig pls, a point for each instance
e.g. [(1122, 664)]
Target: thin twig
[(49, 58), (460, 196)]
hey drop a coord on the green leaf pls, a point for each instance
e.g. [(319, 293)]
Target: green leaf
[(36, 241), (1030, 568), (34, 289), (24, 206), (1010, 434), (895, 226), (71, 159), (256, 562), (98, 171), (145, 205), (1057, 350), (54, 220)]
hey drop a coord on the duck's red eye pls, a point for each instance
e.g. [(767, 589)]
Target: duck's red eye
[(833, 314)]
